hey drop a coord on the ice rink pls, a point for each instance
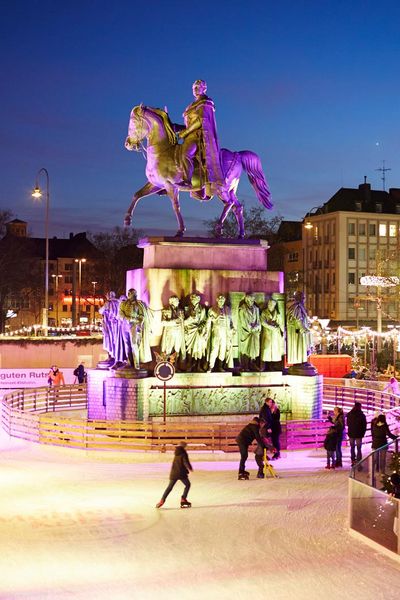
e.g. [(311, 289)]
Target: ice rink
[(79, 525)]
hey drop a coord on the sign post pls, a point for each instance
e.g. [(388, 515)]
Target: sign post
[(164, 371)]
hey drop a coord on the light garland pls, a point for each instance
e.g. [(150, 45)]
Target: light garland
[(376, 280), (27, 331)]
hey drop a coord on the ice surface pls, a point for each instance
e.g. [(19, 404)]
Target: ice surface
[(80, 525)]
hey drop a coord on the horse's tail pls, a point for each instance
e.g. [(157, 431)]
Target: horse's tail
[(252, 165)]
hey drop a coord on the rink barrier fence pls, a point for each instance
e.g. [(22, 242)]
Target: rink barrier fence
[(30, 414)]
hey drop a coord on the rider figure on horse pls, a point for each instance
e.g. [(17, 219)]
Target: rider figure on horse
[(200, 148)]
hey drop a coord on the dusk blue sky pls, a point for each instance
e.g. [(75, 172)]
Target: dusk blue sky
[(312, 87)]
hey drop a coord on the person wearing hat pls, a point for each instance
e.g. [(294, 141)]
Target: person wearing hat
[(179, 471)]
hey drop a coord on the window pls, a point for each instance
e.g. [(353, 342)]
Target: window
[(351, 228), (293, 257), (358, 206), (352, 278), (361, 229), (352, 253), (398, 209), (392, 230), (378, 207), (327, 281), (382, 229), (67, 279), (362, 254), (65, 308), (372, 229), (333, 278), (372, 253), (68, 267)]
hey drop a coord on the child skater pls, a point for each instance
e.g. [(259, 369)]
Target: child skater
[(179, 470), (330, 447)]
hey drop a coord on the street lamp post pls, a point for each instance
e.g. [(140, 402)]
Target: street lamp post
[(37, 193), (79, 261), (94, 283), (56, 278)]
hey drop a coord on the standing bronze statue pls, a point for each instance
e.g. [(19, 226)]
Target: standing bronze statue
[(173, 335), (272, 333), (297, 330), (109, 312), (195, 333), (249, 329), (220, 338), (136, 331)]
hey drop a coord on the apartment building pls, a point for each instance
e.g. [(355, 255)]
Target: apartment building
[(355, 233), (72, 286)]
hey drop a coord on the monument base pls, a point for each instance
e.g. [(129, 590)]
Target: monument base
[(202, 394)]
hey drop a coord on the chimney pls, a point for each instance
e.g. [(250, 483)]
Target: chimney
[(365, 189), (395, 194)]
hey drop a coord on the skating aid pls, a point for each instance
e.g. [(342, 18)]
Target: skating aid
[(268, 468)]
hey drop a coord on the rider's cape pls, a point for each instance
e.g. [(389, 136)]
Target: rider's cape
[(210, 154)]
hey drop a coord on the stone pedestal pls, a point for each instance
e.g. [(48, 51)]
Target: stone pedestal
[(179, 267), (204, 394)]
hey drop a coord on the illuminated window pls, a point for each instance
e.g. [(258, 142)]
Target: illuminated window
[(392, 230), (382, 229)]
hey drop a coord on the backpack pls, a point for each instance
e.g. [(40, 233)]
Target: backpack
[(76, 372)]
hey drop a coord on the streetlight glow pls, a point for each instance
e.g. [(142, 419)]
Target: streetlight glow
[(38, 194)]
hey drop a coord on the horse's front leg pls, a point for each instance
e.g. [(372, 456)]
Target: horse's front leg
[(173, 194), (146, 190)]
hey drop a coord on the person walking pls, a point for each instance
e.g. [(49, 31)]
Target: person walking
[(80, 373), (338, 422), (245, 438), (380, 432), (179, 471), (356, 428)]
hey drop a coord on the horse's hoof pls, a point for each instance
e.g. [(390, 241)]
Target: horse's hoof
[(127, 221)]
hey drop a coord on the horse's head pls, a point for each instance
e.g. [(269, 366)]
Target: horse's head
[(148, 122), (138, 128)]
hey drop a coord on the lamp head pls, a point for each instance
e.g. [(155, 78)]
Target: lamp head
[(37, 192)]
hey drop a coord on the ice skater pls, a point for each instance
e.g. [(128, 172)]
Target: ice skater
[(179, 471), (330, 447), (248, 434)]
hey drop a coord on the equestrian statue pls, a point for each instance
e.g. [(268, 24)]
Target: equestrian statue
[(197, 165)]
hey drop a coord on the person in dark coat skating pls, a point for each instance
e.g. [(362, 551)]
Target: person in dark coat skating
[(179, 471), (248, 434), (356, 428)]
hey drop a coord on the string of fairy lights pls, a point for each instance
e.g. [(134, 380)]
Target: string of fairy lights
[(36, 330)]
